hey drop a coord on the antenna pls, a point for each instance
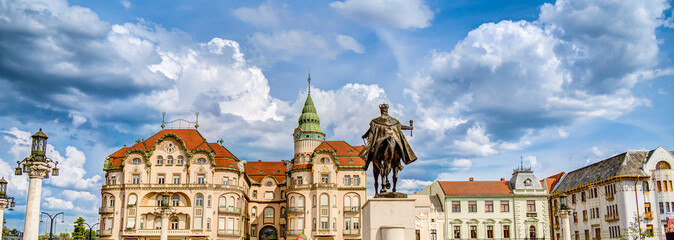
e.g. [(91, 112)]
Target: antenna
[(163, 114)]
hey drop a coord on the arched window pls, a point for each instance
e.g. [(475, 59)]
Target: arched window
[(209, 201), (208, 224), (347, 201), (105, 201), (169, 160), (200, 200), (222, 202), (356, 201), (269, 212), (160, 160), (112, 202), (325, 200), (292, 202), (174, 223), (231, 202), (132, 200), (532, 232), (300, 201), (663, 165), (314, 201), (180, 160), (254, 211), (176, 200), (157, 223)]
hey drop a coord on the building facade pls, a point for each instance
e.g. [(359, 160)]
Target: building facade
[(177, 183), (618, 197), (515, 209), (429, 217)]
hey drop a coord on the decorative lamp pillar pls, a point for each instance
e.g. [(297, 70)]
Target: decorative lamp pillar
[(37, 166), (564, 211), (164, 211), (5, 202)]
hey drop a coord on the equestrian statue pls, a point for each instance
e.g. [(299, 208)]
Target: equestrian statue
[(387, 148)]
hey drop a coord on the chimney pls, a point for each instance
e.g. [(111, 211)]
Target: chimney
[(259, 160), (470, 179), (415, 193), (502, 179)]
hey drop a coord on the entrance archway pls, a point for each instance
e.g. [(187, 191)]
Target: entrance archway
[(268, 233)]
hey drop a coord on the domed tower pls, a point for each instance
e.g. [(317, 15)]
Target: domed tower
[(308, 134)]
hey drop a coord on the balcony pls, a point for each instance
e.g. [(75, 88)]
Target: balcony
[(648, 215), (295, 210), (103, 210), (324, 185), (106, 232), (351, 209), (229, 210), (295, 232), (611, 217), (352, 232), (610, 196), (170, 187), (229, 232), (157, 232)]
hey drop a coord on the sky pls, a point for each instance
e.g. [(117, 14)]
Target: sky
[(555, 85)]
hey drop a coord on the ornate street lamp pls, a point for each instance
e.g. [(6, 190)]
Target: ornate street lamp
[(37, 166), (5, 201)]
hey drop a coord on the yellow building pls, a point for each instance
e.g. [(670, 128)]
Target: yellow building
[(178, 184)]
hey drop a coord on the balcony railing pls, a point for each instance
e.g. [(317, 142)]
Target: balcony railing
[(610, 196), (157, 232), (611, 217), (106, 210), (648, 215), (352, 232), (294, 232), (230, 209), (351, 209), (229, 232), (172, 186), (106, 232), (292, 210)]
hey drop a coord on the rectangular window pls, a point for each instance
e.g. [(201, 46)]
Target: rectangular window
[(664, 183), (356, 223), (505, 206), (457, 232), (667, 206), (473, 231), (489, 206), (531, 206), (253, 231), (356, 180), (347, 180), (201, 179), (169, 161), (584, 215), (197, 222), (221, 223), (160, 179), (659, 186), (225, 181), (647, 207), (325, 178), (324, 223), (113, 180), (472, 206), (456, 206), (670, 186), (587, 234), (269, 195), (160, 160), (506, 231), (131, 223), (180, 160), (575, 217), (490, 231), (299, 180), (573, 198), (176, 179), (135, 179), (255, 194), (662, 208)]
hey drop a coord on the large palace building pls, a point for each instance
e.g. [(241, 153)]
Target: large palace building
[(177, 185)]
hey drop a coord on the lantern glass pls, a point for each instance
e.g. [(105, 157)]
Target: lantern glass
[(17, 171), (26, 168), (11, 204), (3, 187), (55, 171), (38, 145), (562, 199)]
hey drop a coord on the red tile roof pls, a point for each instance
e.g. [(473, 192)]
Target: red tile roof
[(347, 155), (551, 181), (258, 170), (475, 187)]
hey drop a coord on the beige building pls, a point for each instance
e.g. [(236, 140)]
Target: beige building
[(178, 184), (429, 217)]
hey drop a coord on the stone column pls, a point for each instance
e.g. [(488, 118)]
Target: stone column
[(566, 230), (164, 225), (31, 225), (3, 205)]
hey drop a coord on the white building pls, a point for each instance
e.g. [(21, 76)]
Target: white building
[(429, 217), (516, 209), (609, 197)]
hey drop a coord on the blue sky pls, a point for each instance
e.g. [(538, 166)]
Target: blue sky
[(560, 84)]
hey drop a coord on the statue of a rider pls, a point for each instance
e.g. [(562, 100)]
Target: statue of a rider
[(386, 147)]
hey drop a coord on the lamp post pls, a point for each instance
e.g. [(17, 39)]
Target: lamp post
[(564, 211), (51, 224), (38, 166), (90, 229), (5, 202), (164, 211)]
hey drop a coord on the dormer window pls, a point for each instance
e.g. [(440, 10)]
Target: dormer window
[(269, 183), (201, 160), (136, 161), (325, 160), (527, 182)]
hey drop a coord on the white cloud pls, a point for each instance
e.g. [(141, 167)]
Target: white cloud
[(410, 186), (285, 45), (53, 203), (126, 4), (462, 164), (533, 161), (403, 14), (262, 16), (78, 195), (475, 143), (348, 43), (77, 119)]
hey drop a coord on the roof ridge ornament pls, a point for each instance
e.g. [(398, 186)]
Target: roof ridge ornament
[(179, 123), (309, 82)]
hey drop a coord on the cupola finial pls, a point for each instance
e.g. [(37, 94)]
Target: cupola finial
[(309, 81)]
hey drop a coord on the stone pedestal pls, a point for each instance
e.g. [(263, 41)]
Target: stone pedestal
[(566, 227), (3, 205), (388, 219), (31, 225)]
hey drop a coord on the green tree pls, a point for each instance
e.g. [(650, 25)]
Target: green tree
[(634, 231), (78, 231), (6, 231)]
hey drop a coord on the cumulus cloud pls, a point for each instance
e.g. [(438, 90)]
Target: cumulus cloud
[(53, 203), (261, 16), (578, 61), (348, 43), (532, 160), (126, 4), (284, 45), (78, 195), (462, 164), (403, 14), (410, 186)]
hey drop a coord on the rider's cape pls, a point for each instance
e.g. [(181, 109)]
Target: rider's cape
[(382, 128)]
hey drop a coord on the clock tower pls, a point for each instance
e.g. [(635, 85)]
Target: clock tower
[(308, 135)]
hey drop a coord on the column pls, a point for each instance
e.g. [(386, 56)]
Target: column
[(164, 225), (3, 205), (31, 225), (566, 228)]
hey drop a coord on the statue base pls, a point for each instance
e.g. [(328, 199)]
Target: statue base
[(390, 195), (378, 223)]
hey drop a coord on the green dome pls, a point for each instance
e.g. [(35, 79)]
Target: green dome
[(309, 121)]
